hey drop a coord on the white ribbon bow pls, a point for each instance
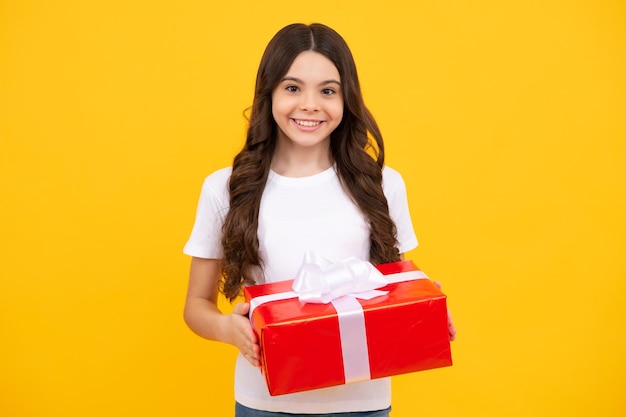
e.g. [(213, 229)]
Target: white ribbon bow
[(320, 281)]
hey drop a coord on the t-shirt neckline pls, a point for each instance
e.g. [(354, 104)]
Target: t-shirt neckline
[(320, 176)]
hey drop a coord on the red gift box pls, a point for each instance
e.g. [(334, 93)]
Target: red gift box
[(406, 330)]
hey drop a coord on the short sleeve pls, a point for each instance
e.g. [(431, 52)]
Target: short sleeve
[(206, 236), (395, 191)]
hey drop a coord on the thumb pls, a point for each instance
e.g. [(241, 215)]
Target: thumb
[(241, 309)]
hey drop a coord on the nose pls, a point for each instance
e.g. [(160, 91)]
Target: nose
[(309, 102)]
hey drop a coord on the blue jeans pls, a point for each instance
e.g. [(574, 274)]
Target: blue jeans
[(242, 411)]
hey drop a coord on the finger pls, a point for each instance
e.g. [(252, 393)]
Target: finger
[(452, 332), (437, 283), (254, 362), (451, 328), (241, 309), (249, 346), (252, 355)]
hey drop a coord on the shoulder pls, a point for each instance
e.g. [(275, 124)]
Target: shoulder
[(220, 176), (218, 180), (392, 178), (391, 174), (215, 186)]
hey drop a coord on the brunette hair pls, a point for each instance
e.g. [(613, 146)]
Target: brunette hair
[(358, 161)]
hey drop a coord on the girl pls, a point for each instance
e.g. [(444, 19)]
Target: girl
[(308, 177)]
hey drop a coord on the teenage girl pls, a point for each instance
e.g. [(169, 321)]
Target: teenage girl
[(308, 178)]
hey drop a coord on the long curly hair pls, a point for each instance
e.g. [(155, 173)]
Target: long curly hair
[(358, 160)]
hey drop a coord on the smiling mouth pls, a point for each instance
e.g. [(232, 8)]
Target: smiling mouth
[(307, 123)]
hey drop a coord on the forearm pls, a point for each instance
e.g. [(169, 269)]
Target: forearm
[(201, 312), (206, 320)]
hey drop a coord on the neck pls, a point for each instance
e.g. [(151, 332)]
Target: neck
[(296, 161)]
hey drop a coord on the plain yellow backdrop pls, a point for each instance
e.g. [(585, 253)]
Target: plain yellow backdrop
[(507, 120)]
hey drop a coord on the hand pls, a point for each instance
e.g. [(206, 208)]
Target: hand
[(242, 335), (451, 327)]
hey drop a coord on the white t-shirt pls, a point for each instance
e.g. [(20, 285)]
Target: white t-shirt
[(296, 215)]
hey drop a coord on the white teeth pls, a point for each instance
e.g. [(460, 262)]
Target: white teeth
[(307, 123)]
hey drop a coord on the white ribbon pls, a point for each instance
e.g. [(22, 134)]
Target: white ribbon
[(341, 283), (320, 281)]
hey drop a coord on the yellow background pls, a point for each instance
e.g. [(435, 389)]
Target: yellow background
[(507, 120)]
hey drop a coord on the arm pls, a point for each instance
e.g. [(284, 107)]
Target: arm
[(205, 319)]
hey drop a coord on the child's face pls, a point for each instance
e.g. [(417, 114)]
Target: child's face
[(307, 104)]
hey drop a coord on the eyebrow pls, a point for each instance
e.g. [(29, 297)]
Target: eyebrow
[(298, 80)]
